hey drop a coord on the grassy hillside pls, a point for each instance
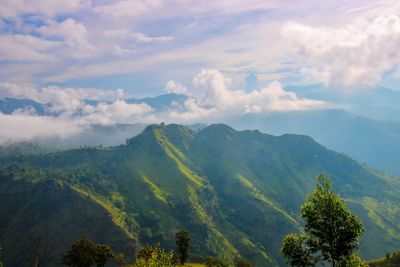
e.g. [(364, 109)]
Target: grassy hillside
[(43, 217), (238, 193), (390, 260), (373, 142)]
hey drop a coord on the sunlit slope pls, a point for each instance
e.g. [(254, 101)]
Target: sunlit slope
[(43, 218), (237, 193)]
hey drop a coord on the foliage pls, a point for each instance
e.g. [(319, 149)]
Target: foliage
[(120, 259), (224, 186), (240, 262), (352, 260), (146, 252), (157, 258), (331, 230), (102, 254), (296, 251), (182, 240), (214, 262), (84, 253), (391, 260), (1, 253)]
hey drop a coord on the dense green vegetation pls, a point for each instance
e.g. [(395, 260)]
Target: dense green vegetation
[(390, 260), (330, 233), (85, 253), (182, 240), (237, 193)]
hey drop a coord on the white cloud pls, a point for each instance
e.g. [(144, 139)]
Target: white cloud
[(211, 99), (174, 87), (14, 8), (128, 8), (54, 94), (24, 127), (18, 47), (74, 35), (217, 100), (396, 74), (142, 9), (355, 56), (69, 103), (213, 85), (116, 112), (143, 38), (216, 92), (125, 34), (70, 113)]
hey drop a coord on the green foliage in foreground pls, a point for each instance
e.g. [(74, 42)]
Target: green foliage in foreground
[(352, 260), (390, 260), (215, 262), (240, 262), (237, 193), (331, 231), (84, 253), (155, 257), (1, 253), (182, 240)]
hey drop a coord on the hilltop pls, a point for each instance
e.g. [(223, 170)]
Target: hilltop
[(236, 192)]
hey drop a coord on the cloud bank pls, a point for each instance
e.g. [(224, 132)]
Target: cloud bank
[(78, 41), (70, 111), (351, 57)]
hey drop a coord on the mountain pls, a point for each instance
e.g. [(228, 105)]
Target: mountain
[(370, 141), (378, 103), (9, 105), (390, 260), (237, 193), (43, 217), (94, 135), (161, 102), (373, 142)]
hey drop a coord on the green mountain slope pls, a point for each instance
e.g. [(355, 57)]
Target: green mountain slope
[(43, 217), (238, 193)]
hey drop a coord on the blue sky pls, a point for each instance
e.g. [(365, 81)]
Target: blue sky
[(229, 57), (139, 45)]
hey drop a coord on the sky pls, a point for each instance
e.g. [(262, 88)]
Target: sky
[(228, 56)]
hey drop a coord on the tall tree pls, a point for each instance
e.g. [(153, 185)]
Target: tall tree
[(240, 262), (331, 230), (84, 253), (102, 254), (155, 257), (41, 254), (182, 240), (120, 259), (1, 255), (296, 251)]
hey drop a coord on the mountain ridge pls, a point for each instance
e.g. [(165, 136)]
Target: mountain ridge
[(237, 192)]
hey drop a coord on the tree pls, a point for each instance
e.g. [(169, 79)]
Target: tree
[(102, 254), (155, 257), (240, 262), (182, 240), (214, 262), (1, 255), (120, 259), (146, 252), (84, 253), (41, 254), (352, 260), (296, 251), (331, 230)]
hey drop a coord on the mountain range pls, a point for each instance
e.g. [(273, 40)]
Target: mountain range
[(370, 141), (237, 193)]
